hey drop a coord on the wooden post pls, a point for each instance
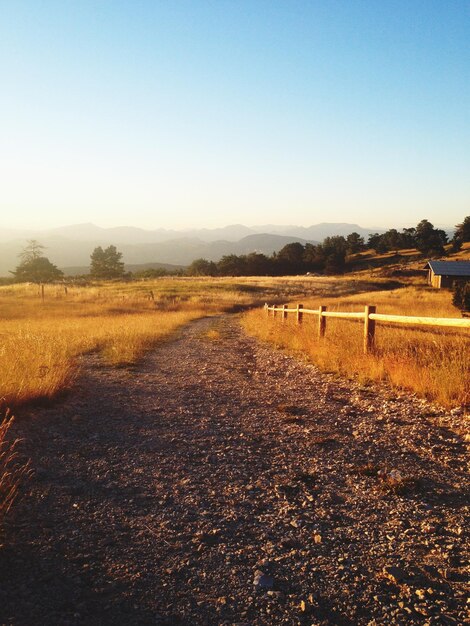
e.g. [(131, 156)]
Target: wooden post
[(321, 322), (42, 292), (65, 289), (274, 310), (284, 312), (266, 308), (369, 330), (300, 313)]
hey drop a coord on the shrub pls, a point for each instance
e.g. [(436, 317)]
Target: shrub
[(461, 297)]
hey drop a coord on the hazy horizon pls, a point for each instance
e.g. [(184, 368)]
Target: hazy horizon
[(221, 226), (188, 115)]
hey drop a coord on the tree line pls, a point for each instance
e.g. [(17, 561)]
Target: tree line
[(328, 257)]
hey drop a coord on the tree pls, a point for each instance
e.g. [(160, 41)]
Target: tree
[(34, 267), (202, 267), (376, 242), (258, 264), (106, 263), (430, 240), (461, 295), (32, 251), (462, 234), (355, 243), (232, 265), (290, 258), (333, 250), (313, 258)]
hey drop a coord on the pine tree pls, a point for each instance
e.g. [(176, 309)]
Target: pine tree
[(106, 264), (34, 267)]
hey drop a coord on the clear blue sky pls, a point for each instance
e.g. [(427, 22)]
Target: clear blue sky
[(185, 113)]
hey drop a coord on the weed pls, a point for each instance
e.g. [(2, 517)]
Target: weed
[(12, 469)]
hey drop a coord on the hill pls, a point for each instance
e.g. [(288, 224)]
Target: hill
[(72, 255)]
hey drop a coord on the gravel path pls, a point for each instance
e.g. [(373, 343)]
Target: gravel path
[(221, 482)]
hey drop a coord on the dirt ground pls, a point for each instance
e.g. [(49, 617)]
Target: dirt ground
[(223, 483)]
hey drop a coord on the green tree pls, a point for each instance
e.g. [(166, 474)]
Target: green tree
[(462, 234), (376, 242), (461, 295), (202, 267), (355, 243), (34, 267), (290, 259), (232, 265), (334, 253), (313, 258), (430, 240), (106, 264), (258, 264)]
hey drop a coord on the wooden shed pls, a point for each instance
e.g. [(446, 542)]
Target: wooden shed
[(443, 274)]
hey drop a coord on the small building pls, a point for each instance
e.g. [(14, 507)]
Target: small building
[(443, 274)]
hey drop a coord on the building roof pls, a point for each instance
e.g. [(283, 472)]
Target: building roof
[(450, 268)]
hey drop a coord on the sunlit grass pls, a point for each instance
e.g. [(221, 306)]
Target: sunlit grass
[(40, 342), (434, 363), (12, 469)]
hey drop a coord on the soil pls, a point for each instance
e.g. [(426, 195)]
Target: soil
[(221, 482)]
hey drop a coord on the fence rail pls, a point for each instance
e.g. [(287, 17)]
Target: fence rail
[(369, 316)]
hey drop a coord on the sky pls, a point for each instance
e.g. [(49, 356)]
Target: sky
[(203, 113)]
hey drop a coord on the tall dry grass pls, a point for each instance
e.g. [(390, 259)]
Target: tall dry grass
[(434, 363), (40, 343), (12, 469)]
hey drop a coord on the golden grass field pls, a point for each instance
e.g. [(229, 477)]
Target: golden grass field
[(41, 342), (434, 363)]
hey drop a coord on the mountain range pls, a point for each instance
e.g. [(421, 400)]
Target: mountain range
[(69, 247)]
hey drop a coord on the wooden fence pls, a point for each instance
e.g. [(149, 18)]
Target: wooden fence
[(369, 316)]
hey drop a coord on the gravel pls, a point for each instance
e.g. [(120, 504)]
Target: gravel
[(221, 482)]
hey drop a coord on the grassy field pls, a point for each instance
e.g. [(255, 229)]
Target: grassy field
[(41, 342), (433, 363)]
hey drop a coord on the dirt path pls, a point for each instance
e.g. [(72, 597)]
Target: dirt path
[(161, 490)]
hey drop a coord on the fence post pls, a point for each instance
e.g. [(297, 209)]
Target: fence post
[(284, 312), (369, 330), (266, 307), (321, 321), (274, 310), (300, 314)]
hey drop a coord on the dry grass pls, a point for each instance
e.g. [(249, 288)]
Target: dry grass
[(433, 363), (12, 469), (41, 342)]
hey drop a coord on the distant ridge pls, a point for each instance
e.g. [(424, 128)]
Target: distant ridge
[(234, 232), (69, 247)]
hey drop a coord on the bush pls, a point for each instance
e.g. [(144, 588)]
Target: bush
[(461, 297)]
